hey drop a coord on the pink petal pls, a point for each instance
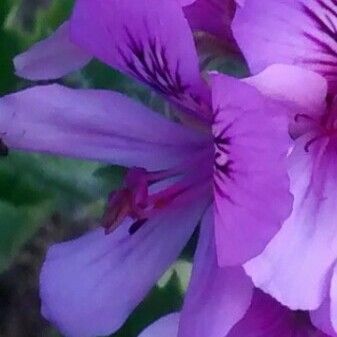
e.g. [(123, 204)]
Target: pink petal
[(303, 87), (154, 44), (51, 58), (288, 31), (94, 124), (295, 268), (217, 298), (100, 279), (286, 83), (166, 326), (252, 141)]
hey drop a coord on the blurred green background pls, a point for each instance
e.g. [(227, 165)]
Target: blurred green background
[(46, 199)]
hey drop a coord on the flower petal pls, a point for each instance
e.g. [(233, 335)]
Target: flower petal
[(101, 278), (286, 83), (265, 318), (251, 142), (217, 298), (296, 266), (322, 320), (51, 58), (154, 45), (166, 326), (289, 31), (93, 124), (333, 299)]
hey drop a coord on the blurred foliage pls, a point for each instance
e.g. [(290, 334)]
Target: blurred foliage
[(33, 188)]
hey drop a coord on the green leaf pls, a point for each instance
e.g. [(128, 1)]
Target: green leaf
[(17, 225), (28, 179)]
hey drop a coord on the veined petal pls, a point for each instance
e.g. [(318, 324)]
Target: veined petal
[(93, 124), (101, 278), (154, 44), (289, 31), (217, 298), (296, 266), (251, 143), (166, 326), (51, 58)]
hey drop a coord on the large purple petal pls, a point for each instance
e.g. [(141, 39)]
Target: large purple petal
[(289, 31), (296, 266), (251, 143), (149, 40), (217, 298), (93, 124), (89, 286), (51, 58)]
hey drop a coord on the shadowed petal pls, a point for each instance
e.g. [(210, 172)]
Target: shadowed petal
[(93, 124), (251, 144), (289, 31), (333, 299), (212, 16), (296, 266), (154, 45), (217, 298), (51, 58), (321, 318), (100, 279), (268, 318)]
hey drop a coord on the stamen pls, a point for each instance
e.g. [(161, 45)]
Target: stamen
[(312, 141), (303, 116), (136, 202)]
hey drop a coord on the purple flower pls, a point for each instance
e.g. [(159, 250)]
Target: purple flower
[(299, 32), (222, 164), (264, 318), (298, 265)]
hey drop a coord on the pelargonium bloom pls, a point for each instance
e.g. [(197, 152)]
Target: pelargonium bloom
[(264, 318), (298, 32), (223, 163), (298, 265)]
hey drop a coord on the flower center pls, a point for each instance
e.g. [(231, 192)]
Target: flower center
[(139, 198)]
